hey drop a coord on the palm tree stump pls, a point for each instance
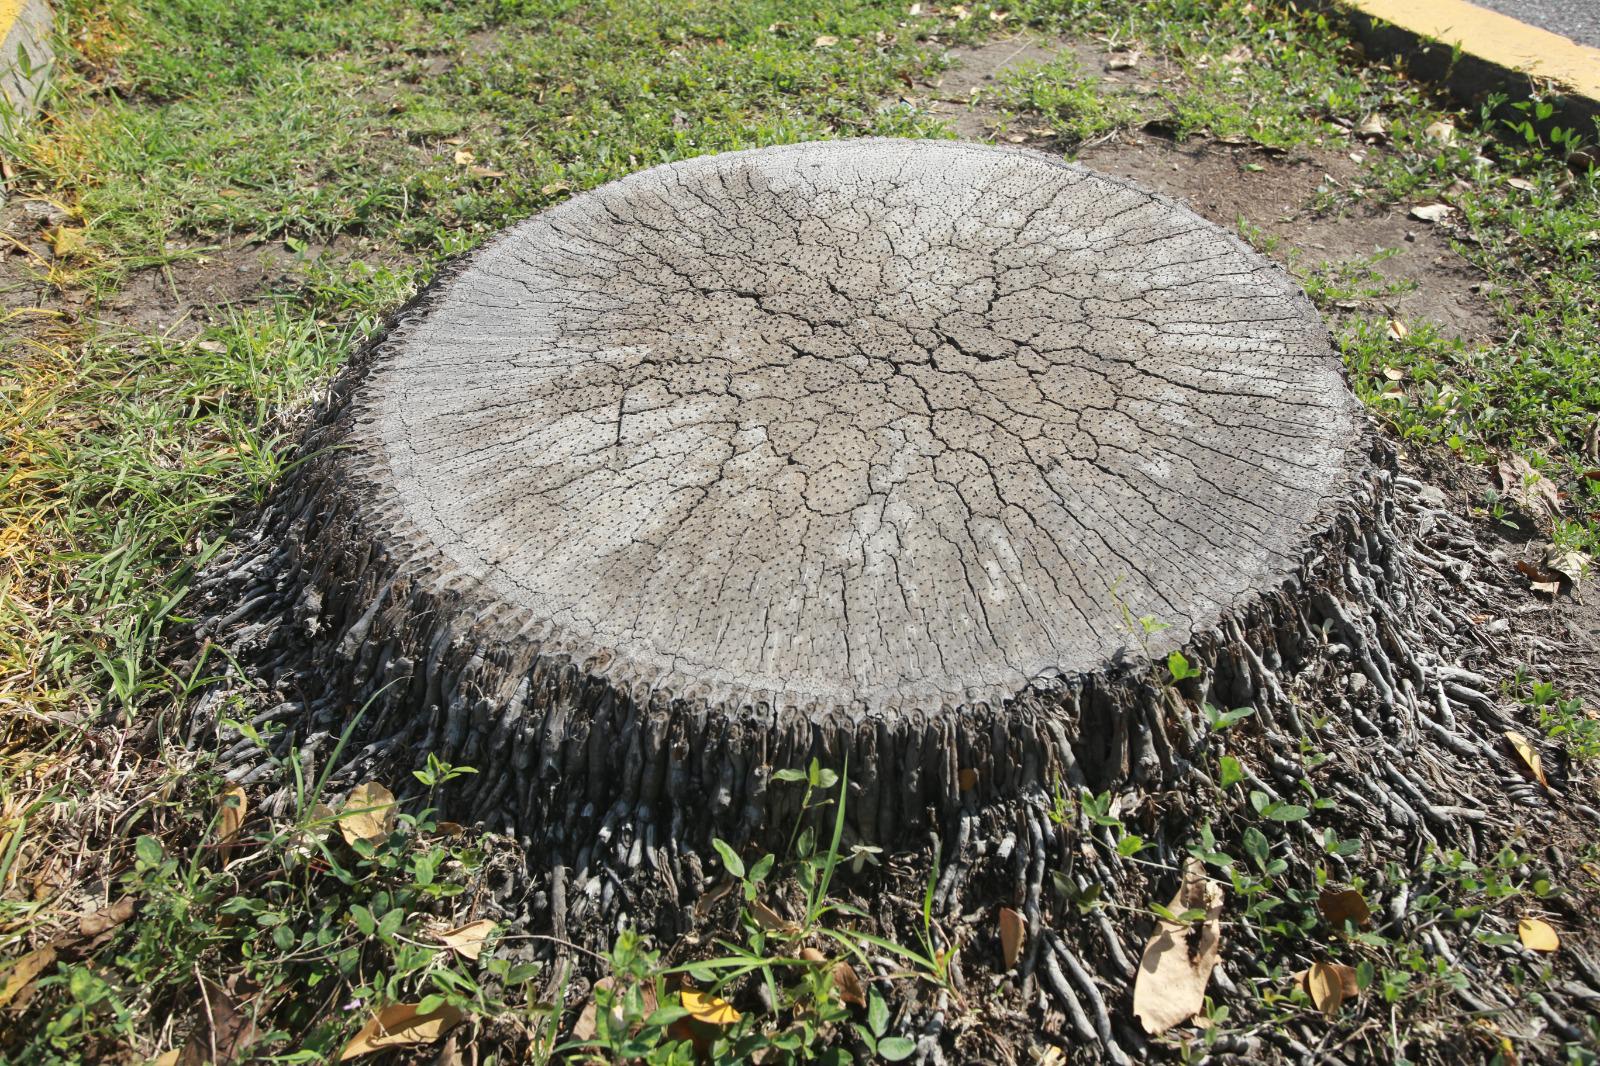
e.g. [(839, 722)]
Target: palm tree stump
[(915, 457)]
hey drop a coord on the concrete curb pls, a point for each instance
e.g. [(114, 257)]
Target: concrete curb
[(26, 60), (1473, 51)]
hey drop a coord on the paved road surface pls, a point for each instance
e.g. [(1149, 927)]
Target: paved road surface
[(1577, 19)]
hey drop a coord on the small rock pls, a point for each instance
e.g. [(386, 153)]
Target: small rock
[(1433, 496), (43, 212)]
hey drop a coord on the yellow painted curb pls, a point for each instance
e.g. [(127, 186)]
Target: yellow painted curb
[(25, 58), (1495, 38)]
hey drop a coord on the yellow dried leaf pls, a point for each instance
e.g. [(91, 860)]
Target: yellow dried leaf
[(467, 940), (368, 813), (464, 157), (401, 1026), (24, 970), (1521, 183), (707, 1008), (1011, 932), (554, 187), (825, 41), (69, 241), (1537, 935), (1329, 984), (1398, 331), (1528, 754), (167, 1058), (231, 817)]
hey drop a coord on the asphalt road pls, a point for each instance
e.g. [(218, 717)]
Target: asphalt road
[(1577, 19)]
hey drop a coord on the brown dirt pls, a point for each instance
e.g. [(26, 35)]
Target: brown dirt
[(1230, 183)]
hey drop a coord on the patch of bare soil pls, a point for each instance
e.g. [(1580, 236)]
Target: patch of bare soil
[(178, 298), (1232, 184)]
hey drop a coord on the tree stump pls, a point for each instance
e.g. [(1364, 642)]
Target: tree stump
[(908, 456)]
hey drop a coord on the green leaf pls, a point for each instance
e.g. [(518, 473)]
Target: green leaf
[(1178, 666), (1256, 846), (662, 1017), (762, 868), (1130, 845), (1231, 771), (789, 775), (896, 1048), (148, 850), (1285, 812), (730, 858), (389, 924), (877, 1013), (364, 919)]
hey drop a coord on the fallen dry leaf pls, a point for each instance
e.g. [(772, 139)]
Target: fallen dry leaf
[(485, 172), (1432, 212), (401, 1026), (231, 818), (1341, 905), (1528, 489), (24, 970), (1521, 183), (769, 919), (1528, 754), (1329, 984), (555, 187), (1011, 930), (368, 813), (449, 1055), (226, 1029), (1537, 935), (166, 1058), (1178, 959), (848, 982), (708, 1009), (464, 157), (1567, 562), (1440, 133), (1123, 61), (1372, 127), (70, 241), (825, 41), (106, 918), (1398, 331), (467, 940), (587, 1024)]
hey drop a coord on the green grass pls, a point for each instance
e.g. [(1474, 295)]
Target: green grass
[(394, 135)]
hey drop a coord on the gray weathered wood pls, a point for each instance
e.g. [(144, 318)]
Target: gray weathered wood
[(876, 425)]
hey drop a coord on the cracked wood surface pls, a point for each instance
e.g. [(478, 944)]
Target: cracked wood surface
[(869, 424)]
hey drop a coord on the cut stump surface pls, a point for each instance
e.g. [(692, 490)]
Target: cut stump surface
[(866, 425)]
